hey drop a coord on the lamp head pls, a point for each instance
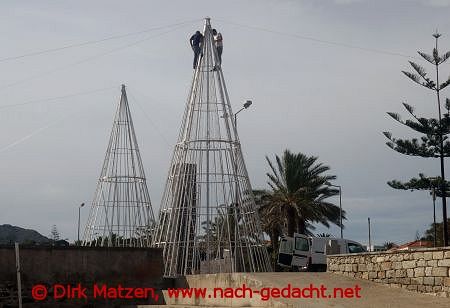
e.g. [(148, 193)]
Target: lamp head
[(247, 104)]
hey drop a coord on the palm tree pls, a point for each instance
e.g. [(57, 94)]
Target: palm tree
[(300, 191), (324, 235), (271, 220), (222, 231)]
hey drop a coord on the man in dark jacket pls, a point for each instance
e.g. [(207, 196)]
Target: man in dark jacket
[(196, 44)]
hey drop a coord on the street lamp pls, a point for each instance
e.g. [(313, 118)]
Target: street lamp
[(247, 104), (79, 215), (441, 153), (433, 196), (340, 205)]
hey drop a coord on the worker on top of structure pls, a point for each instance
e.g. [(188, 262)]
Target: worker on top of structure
[(196, 44), (218, 42)]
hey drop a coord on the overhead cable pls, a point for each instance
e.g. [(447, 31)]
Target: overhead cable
[(322, 41), (92, 42), (88, 59), (49, 99)]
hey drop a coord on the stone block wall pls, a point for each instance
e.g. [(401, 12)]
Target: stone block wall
[(421, 270)]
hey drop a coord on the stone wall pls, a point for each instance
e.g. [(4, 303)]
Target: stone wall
[(421, 270), (131, 267)]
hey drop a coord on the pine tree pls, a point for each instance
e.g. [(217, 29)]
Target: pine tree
[(54, 234), (434, 140), (388, 245), (422, 183)]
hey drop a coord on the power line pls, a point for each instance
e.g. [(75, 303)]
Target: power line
[(114, 37), (150, 119), (35, 132), (309, 38), (55, 98), (88, 59)]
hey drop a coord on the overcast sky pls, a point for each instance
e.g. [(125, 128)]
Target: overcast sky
[(309, 96)]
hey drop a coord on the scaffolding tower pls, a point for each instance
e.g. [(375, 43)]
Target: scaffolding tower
[(208, 219), (121, 214)]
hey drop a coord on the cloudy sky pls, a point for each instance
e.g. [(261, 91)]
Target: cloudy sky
[(321, 74)]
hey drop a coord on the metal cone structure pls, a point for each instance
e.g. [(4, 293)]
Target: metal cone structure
[(121, 214), (208, 219)]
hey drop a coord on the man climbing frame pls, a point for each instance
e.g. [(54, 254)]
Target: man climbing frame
[(218, 42), (196, 44)]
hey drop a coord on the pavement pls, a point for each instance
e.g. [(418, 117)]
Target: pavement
[(370, 294)]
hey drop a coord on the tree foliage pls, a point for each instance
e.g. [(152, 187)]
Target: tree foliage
[(433, 141), (388, 245), (421, 183), (428, 145), (429, 233), (54, 234), (272, 221), (299, 193), (221, 232), (324, 235)]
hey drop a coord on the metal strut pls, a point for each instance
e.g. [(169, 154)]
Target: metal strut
[(121, 214), (208, 218)]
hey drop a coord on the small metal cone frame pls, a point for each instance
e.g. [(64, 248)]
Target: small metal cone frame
[(208, 220), (121, 214)]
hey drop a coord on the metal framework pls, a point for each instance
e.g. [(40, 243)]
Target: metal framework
[(121, 214), (208, 219)]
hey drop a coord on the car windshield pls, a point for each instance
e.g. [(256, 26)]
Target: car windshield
[(301, 244), (355, 248)]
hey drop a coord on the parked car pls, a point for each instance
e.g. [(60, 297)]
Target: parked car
[(303, 252)]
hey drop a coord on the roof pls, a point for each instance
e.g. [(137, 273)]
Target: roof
[(414, 244)]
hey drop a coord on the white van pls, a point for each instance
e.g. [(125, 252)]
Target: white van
[(303, 252)]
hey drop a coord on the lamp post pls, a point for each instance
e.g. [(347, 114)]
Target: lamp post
[(433, 196), (433, 187), (441, 151), (79, 215), (340, 205), (247, 104), (370, 238)]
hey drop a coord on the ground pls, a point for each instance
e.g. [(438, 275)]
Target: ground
[(371, 294)]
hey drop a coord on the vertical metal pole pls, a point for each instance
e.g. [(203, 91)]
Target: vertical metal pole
[(235, 213), (237, 180), (19, 283), (340, 206), (370, 240), (208, 222), (434, 215), (236, 201), (340, 210), (79, 214), (441, 156)]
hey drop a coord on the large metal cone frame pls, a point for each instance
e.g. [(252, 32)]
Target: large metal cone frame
[(208, 220), (121, 214)]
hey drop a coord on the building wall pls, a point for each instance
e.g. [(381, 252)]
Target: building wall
[(423, 270), (131, 267)]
